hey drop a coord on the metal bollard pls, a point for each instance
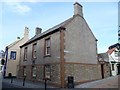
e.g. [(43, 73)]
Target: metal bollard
[(24, 80), (70, 82), (45, 84), (10, 76), (11, 79)]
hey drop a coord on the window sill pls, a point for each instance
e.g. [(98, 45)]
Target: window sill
[(47, 79), (11, 59), (25, 60), (34, 76), (34, 58), (47, 55)]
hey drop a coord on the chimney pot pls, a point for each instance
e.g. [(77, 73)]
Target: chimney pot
[(38, 30)]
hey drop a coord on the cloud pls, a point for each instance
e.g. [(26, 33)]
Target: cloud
[(18, 7)]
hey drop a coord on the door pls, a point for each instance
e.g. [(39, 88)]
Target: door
[(118, 67), (102, 70)]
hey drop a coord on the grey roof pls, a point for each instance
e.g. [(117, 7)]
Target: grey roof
[(46, 32), (104, 56)]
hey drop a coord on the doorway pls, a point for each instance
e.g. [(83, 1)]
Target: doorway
[(118, 67), (102, 70)]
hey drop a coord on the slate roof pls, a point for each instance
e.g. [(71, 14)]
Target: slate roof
[(55, 28), (104, 56)]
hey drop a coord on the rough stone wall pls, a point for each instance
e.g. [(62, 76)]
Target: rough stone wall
[(82, 72), (55, 73), (106, 70), (20, 72)]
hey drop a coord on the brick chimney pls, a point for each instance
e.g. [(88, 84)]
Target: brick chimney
[(26, 32), (78, 9), (38, 30)]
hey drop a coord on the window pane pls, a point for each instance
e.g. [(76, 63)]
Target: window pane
[(47, 46), (47, 42), (25, 56), (34, 71), (47, 71), (24, 71), (34, 50), (112, 66), (48, 50), (13, 55), (116, 54), (34, 54), (34, 47)]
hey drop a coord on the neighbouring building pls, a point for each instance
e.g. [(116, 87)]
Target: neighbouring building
[(1, 57), (12, 55), (114, 59), (105, 65), (67, 49)]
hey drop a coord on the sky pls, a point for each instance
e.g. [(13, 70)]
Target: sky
[(102, 18)]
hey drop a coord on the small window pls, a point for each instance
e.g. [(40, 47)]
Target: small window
[(24, 71), (34, 71), (116, 54), (47, 72), (13, 55), (113, 67), (25, 53), (47, 46), (34, 50), (119, 54)]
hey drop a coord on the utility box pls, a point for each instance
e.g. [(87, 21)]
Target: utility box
[(70, 82)]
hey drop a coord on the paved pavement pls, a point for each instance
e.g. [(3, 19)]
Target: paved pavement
[(28, 84), (0, 80), (111, 82)]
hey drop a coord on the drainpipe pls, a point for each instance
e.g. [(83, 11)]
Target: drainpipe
[(6, 58)]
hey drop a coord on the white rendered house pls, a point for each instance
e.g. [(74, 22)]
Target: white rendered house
[(114, 61)]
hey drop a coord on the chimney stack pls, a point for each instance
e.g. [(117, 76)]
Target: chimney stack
[(38, 30), (78, 9), (26, 32)]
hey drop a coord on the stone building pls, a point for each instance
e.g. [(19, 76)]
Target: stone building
[(12, 55), (103, 59), (67, 49)]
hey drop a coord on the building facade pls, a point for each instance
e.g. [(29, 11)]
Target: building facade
[(68, 49), (12, 55), (1, 57), (114, 60), (105, 65)]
